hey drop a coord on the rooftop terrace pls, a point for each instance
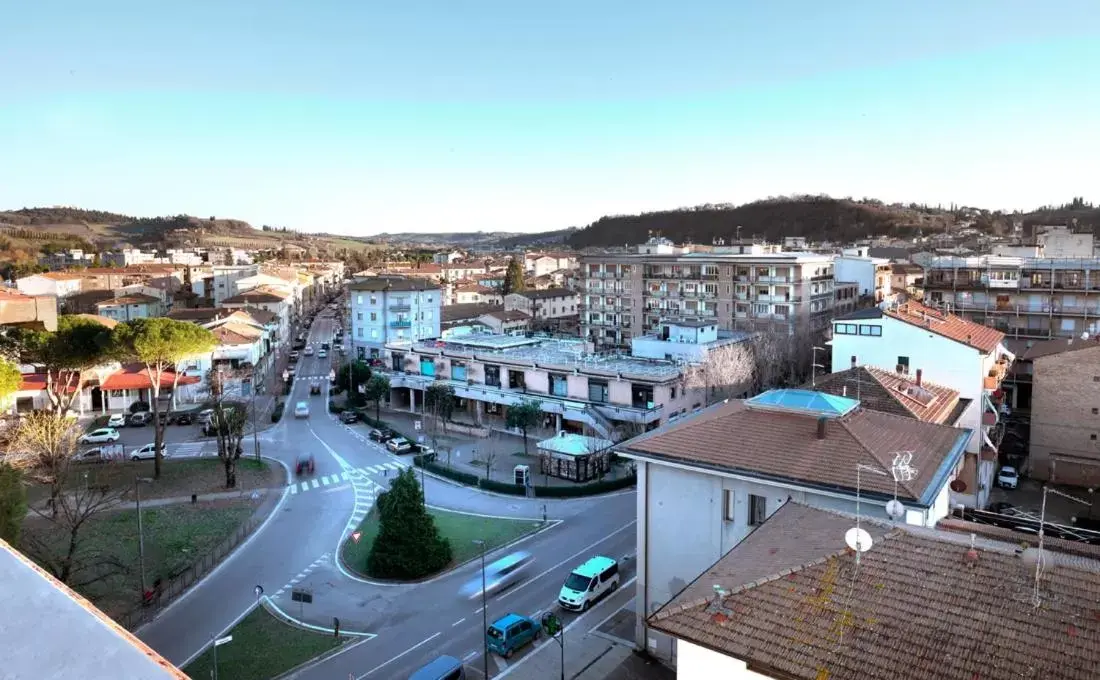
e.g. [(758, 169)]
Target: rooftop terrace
[(564, 355)]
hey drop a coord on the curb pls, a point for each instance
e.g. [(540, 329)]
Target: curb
[(549, 524)]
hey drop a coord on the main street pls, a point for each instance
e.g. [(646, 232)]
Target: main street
[(401, 626)]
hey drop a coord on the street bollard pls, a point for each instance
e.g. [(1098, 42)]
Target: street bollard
[(194, 498), (335, 627)]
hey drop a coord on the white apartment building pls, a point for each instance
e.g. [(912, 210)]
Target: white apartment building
[(946, 349), (742, 287), (57, 284), (550, 303), (225, 278), (385, 309), (874, 275), (708, 481)]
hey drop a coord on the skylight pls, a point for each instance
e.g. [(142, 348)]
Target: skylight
[(807, 402)]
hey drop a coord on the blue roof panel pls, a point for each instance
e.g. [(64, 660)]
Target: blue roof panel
[(805, 401)]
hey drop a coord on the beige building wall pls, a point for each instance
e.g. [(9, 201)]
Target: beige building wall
[(1065, 418)]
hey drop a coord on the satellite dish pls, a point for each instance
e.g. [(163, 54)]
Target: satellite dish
[(895, 509), (858, 539), (958, 486), (1085, 335)]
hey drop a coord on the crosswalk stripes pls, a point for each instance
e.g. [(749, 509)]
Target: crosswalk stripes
[(356, 476)]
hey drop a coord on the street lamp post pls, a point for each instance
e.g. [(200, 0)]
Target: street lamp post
[(141, 531), (484, 611)]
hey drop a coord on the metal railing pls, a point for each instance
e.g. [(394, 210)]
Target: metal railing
[(176, 585)]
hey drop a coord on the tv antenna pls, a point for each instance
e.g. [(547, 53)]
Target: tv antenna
[(857, 538), (814, 366), (1039, 556)]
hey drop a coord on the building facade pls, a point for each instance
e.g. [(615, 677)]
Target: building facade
[(386, 309), (551, 303), (742, 287), (1065, 412)]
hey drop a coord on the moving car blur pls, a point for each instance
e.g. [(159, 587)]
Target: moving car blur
[(499, 574)]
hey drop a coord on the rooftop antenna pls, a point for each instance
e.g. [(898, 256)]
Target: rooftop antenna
[(902, 472), (1040, 558), (814, 366), (857, 538)]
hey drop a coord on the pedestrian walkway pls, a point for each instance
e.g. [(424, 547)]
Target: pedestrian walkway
[(594, 650), (348, 476)]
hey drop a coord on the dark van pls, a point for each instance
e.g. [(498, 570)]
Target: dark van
[(443, 668)]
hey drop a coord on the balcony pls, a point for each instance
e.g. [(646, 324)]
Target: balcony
[(399, 307), (571, 409), (773, 279), (401, 324)]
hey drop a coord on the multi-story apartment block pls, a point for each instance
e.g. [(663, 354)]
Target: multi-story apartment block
[(551, 303), (742, 287), (386, 309), (609, 395), (873, 274), (1031, 298)]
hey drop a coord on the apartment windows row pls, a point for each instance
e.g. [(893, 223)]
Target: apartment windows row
[(424, 316), (373, 300), (870, 330)]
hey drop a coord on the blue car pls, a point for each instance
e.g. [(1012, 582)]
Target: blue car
[(510, 632)]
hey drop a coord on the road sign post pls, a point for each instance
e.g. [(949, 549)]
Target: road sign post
[(218, 642)]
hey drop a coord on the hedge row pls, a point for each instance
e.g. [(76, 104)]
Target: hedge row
[(444, 471), (590, 489), (585, 489)]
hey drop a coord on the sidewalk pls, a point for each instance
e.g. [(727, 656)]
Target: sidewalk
[(594, 649), (254, 494)]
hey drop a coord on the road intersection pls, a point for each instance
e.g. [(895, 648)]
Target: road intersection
[(399, 626)]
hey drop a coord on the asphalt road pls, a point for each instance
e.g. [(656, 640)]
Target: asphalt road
[(403, 626)]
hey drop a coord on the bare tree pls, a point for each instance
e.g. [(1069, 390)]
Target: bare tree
[(43, 448), (725, 372), (781, 359), (489, 458), (229, 422)]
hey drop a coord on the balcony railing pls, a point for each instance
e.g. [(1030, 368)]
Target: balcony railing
[(400, 307), (401, 324)]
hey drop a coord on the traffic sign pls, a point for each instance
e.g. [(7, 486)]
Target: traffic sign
[(221, 641), (419, 425), (356, 536)]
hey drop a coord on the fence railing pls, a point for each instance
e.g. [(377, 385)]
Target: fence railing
[(176, 585)]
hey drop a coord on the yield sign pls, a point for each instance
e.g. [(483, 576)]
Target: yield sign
[(355, 536)]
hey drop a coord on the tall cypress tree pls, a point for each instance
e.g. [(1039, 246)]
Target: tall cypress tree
[(513, 278), (408, 545)]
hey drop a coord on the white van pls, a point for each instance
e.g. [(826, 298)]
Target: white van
[(588, 583)]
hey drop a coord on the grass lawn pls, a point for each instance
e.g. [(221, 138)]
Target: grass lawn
[(263, 647), (178, 477), (456, 527), (176, 536)]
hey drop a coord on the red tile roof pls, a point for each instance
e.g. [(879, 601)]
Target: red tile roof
[(36, 382), (739, 438), (890, 392), (227, 336), (131, 299), (921, 604), (982, 338), (135, 377)]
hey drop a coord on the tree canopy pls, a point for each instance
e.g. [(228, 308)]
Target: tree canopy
[(79, 344), (376, 388), (408, 544), (10, 379), (513, 278), (13, 503), (524, 415), (439, 400)]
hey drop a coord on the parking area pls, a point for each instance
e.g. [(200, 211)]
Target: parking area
[(1027, 500)]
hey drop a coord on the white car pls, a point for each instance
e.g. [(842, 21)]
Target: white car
[(321, 354), (146, 452), (301, 409), (308, 351), (100, 436), (399, 445), (1008, 477), (117, 420)]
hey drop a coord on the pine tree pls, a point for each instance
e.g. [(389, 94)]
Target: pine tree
[(408, 545), (513, 278)]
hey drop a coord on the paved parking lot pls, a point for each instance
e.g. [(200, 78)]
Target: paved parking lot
[(1028, 499)]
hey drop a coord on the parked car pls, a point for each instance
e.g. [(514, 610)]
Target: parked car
[(301, 409), (140, 419), (510, 632), (146, 452), (205, 415), (1001, 508), (440, 668), (100, 436), (399, 445), (1008, 477), (427, 452), (325, 346), (185, 418), (305, 464), (589, 582), (294, 355), (209, 429), (349, 417), (500, 574), (117, 420), (308, 351), (164, 417), (90, 456), (315, 388), (381, 434)]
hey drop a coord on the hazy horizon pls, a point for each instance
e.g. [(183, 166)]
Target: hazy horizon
[(342, 118)]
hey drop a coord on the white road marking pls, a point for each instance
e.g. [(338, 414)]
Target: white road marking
[(324, 480), (294, 489), (386, 663), (469, 656), (315, 484), (344, 475), (458, 622)]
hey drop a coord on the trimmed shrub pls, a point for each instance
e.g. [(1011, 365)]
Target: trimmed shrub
[(590, 489), (277, 412), (139, 406), (502, 487), (444, 471), (334, 408)]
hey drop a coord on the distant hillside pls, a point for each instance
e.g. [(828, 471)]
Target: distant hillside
[(458, 239), (815, 217)]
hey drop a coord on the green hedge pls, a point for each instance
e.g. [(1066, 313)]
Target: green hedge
[(444, 471), (585, 489), (334, 408), (277, 412), (502, 487)]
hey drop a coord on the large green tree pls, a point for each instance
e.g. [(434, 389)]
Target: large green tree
[(13, 503), (376, 388), (161, 344), (524, 415), (513, 278), (439, 400), (351, 376), (408, 545), (10, 380), (79, 345)]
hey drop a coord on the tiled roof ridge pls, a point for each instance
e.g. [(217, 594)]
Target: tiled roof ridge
[(907, 402), (874, 372), (859, 413)]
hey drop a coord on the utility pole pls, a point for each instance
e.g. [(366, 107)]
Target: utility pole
[(484, 612)]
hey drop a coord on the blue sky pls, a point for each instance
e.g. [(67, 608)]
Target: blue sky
[(362, 117)]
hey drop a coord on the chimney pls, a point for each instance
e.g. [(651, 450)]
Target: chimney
[(821, 422), (919, 376), (853, 361)]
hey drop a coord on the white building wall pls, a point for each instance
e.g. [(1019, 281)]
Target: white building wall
[(698, 663), (858, 269)]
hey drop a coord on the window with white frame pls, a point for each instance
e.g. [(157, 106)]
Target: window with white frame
[(729, 499)]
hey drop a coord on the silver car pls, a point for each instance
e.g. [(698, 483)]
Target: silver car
[(499, 574)]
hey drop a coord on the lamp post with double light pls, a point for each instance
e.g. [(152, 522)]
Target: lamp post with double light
[(484, 609)]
